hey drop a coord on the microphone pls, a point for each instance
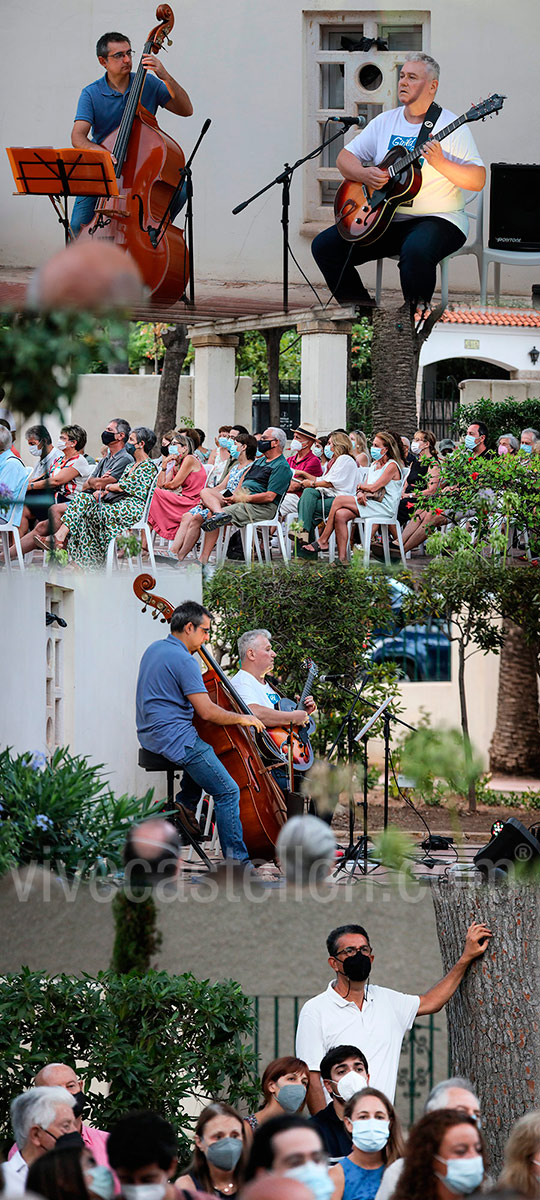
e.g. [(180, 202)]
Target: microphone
[(348, 121)]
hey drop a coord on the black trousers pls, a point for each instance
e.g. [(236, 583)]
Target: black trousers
[(420, 242)]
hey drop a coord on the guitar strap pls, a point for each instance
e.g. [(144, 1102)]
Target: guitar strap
[(430, 120)]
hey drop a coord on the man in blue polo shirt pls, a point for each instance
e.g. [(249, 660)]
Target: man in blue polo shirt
[(170, 690), (102, 103)]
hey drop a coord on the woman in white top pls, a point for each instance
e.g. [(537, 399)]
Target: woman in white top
[(360, 448), (385, 472), (339, 479)]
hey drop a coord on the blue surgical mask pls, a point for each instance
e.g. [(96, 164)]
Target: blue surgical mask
[(463, 1175), (234, 452), (470, 442), (526, 449), (291, 1096), (317, 451), (315, 1177), (376, 453), (259, 453), (328, 452), (226, 442), (370, 1135), (173, 451), (101, 1182)]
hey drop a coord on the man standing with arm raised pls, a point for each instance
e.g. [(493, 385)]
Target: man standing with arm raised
[(371, 1017)]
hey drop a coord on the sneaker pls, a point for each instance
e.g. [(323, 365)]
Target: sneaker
[(215, 522)]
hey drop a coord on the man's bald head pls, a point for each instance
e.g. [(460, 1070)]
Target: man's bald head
[(86, 275), (58, 1075), (152, 851), (274, 1187)]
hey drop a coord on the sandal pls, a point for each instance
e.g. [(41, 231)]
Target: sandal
[(48, 543)]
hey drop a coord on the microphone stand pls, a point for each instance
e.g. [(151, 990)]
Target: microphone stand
[(354, 850), (285, 180)]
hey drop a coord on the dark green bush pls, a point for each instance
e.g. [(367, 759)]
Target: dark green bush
[(155, 1040), (62, 812), (504, 416)]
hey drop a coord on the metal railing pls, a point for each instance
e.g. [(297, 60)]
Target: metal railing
[(424, 1055)]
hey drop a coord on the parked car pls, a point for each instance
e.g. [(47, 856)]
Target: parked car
[(422, 652)]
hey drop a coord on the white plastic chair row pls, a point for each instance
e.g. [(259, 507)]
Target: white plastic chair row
[(213, 846), (141, 526), (5, 531)]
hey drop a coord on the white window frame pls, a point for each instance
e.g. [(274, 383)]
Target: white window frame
[(318, 216)]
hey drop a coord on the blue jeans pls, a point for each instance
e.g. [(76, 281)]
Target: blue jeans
[(83, 210), (205, 768), (421, 243)]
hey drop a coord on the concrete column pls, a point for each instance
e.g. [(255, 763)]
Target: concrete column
[(214, 380), (324, 372)]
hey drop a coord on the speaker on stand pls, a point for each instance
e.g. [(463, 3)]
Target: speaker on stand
[(514, 845)]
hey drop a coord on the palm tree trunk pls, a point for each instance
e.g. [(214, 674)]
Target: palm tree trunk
[(394, 367), (515, 745)]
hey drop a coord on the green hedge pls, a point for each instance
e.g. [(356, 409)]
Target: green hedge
[(504, 416), (155, 1040)]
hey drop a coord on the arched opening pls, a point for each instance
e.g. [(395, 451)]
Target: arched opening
[(440, 390)]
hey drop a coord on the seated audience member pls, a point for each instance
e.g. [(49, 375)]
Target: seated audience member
[(416, 529), (261, 504), (377, 1141), (66, 479), (528, 439), (142, 1151), (339, 479), (241, 456), (61, 1075), (444, 1157), (475, 439), (344, 1072), (360, 448), (114, 461), (38, 1116), (290, 1147), (219, 1154), (13, 478), (92, 520), (39, 493), (177, 490), (200, 451), (507, 444), (306, 849), (521, 1169), (385, 474), (284, 1085), (445, 447), (302, 459), (456, 1093), (70, 1172), (152, 852), (219, 455), (7, 425)]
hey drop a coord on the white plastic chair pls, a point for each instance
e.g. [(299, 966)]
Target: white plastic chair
[(500, 258), (247, 533), (213, 846), (5, 531), (473, 245), (141, 526)]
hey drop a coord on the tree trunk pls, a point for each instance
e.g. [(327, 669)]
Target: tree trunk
[(515, 745), (493, 1018), (471, 792), (272, 338), (176, 344), (394, 367)]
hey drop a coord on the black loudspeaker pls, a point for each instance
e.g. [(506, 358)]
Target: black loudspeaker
[(514, 845), (514, 207)]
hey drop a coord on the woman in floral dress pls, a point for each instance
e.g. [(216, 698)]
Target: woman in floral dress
[(91, 522)]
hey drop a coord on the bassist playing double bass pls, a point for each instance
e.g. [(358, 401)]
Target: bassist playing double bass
[(423, 230), (101, 105)]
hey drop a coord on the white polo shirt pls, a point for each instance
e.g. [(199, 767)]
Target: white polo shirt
[(377, 1029), (15, 1172)]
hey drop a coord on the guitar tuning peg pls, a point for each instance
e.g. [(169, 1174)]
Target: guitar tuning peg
[(154, 615), (143, 609), (163, 620)]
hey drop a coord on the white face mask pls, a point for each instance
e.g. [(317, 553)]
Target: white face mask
[(61, 445), (143, 1191), (296, 445), (317, 451), (35, 450), (350, 1084)]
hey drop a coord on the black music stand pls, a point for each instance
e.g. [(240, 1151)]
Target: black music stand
[(59, 174)]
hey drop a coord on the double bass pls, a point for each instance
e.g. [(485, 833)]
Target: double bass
[(147, 167), (248, 756)]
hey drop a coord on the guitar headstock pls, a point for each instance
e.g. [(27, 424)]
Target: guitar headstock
[(311, 667), (486, 108)]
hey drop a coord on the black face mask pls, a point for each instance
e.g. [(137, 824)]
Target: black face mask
[(265, 445), (80, 1103), (130, 447), (165, 451), (107, 437), (357, 967), (69, 1141)]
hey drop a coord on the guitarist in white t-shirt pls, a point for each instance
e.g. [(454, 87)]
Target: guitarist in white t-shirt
[(425, 229)]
